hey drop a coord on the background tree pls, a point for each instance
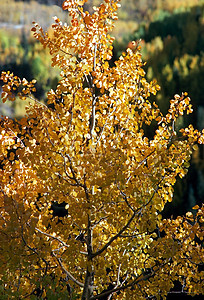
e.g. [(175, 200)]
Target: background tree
[(89, 149)]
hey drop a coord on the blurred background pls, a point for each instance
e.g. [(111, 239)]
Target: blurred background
[(171, 33)]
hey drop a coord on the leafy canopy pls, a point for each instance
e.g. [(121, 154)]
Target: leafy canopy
[(87, 150)]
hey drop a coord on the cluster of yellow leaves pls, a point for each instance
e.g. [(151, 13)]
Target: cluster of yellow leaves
[(88, 149), (19, 186), (15, 85)]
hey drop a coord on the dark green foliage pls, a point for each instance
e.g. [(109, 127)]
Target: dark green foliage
[(187, 27)]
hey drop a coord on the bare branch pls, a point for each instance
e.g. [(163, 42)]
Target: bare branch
[(93, 111), (129, 285), (114, 237), (69, 275), (125, 198), (34, 250), (101, 133), (52, 237), (73, 172), (48, 135), (154, 193), (130, 235), (98, 222), (37, 101), (128, 223), (145, 159), (65, 168), (70, 123)]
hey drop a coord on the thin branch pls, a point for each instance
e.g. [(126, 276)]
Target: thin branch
[(85, 189), (65, 168), (129, 285), (84, 253), (37, 101), (101, 133), (130, 235), (114, 237), (64, 163), (19, 279), (190, 260), (118, 276), (93, 112), (82, 229), (98, 222), (144, 160), (93, 117), (126, 277), (126, 201), (52, 237), (155, 191), (69, 275), (60, 49), (94, 62), (48, 135), (73, 172), (65, 179), (17, 138), (32, 249), (127, 224), (70, 123)]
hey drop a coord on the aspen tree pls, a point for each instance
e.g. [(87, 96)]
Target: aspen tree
[(90, 151)]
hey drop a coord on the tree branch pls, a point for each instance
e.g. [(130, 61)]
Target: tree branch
[(69, 275), (53, 237), (126, 201), (114, 237), (93, 111), (32, 249), (127, 224), (129, 285)]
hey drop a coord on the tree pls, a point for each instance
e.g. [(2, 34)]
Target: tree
[(87, 148)]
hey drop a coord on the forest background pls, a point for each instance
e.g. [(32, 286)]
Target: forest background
[(171, 33)]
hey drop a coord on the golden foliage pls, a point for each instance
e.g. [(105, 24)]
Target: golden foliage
[(88, 149)]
